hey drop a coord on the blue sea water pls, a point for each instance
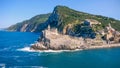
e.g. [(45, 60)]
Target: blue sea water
[(14, 53)]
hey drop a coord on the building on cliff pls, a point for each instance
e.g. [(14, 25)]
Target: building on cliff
[(50, 32), (111, 34), (53, 40), (91, 22)]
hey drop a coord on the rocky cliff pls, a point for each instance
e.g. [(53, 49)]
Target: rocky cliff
[(52, 40), (68, 20), (70, 30)]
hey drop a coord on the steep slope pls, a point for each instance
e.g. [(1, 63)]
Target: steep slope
[(31, 25), (66, 19)]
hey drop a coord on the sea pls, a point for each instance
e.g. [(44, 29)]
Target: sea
[(15, 53)]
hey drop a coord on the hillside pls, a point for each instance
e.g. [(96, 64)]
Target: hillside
[(30, 25), (66, 20)]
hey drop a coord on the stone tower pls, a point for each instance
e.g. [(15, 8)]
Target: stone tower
[(109, 25), (49, 27), (56, 31)]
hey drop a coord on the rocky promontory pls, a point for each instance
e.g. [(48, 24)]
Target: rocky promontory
[(69, 29), (51, 39)]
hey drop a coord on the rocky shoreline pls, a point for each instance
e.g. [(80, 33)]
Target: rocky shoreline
[(104, 46), (52, 40), (77, 49)]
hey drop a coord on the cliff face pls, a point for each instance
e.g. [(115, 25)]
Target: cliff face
[(69, 21), (52, 40), (35, 24)]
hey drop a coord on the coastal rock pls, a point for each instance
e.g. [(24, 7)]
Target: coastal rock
[(111, 35), (51, 39), (38, 46)]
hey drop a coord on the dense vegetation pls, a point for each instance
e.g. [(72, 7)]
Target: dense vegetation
[(70, 16), (33, 24)]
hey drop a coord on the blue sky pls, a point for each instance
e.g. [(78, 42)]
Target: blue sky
[(14, 11)]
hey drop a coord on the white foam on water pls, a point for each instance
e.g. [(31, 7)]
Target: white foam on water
[(5, 49), (31, 44), (2, 65), (27, 49), (28, 67)]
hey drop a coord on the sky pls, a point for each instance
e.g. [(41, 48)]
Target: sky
[(14, 11)]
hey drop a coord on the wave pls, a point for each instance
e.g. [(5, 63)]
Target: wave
[(27, 49), (2, 65), (5, 49), (28, 67)]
